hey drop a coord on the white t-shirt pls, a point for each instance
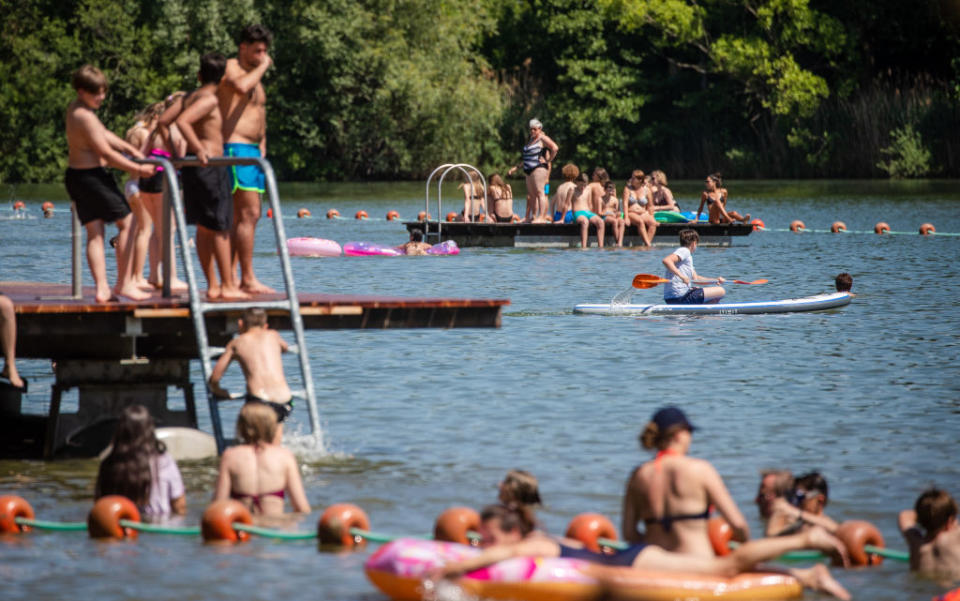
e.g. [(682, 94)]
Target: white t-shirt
[(677, 288), (165, 484)]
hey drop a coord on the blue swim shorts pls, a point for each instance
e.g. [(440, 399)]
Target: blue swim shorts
[(588, 214), (244, 177), (567, 217), (694, 296)]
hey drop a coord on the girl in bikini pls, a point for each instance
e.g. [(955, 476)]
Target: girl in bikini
[(715, 197), (660, 194), (500, 199), (636, 199), (538, 155), (137, 136), (258, 472), (613, 216), (474, 204)]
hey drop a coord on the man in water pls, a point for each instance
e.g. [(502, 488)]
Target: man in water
[(416, 245), (243, 106), (931, 532)]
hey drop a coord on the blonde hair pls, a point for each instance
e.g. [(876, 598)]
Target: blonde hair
[(256, 423), (653, 438), (520, 487), (659, 177)]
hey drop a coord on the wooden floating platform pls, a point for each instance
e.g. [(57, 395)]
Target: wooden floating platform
[(565, 235)]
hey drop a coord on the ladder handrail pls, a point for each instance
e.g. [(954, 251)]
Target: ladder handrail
[(447, 168)]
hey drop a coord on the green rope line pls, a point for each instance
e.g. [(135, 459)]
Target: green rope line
[(160, 529), (45, 525), (378, 537), (271, 533), (888, 553)]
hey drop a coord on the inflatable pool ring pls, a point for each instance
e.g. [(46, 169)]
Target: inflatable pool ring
[(337, 521), (392, 215), (218, 519), (721, 533), (451, 216), (370, 249), (882, 227), (447, 247), (690, 215), (361, 214), (838, 226), (313, 247), (758, 224), (399, 567), (454, 523), (589, 527), (303, 213), (11, 508), (927, 229), (333, 214), (797, 226), (856, 535), (104, 519), (669, 217)]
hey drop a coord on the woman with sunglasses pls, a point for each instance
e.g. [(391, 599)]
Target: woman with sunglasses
[(538, 155)]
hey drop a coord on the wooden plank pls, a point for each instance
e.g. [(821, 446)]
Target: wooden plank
[(156, 313)]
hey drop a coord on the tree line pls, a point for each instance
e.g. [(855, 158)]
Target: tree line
[(389, 89)]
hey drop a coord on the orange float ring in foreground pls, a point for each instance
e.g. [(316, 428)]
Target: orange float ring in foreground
[(104, 519), (303, 213), (11, 508), (332, 213), (454, 523), (361, 214), (720, 533), (856, 534), (392, 215), (451, 216), (758, 224), (927, 229), (589, 527), (797, 226), (882, 227), (335, 524), (218, 519), (838, 226)]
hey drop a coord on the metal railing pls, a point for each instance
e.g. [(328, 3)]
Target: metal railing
[(447, 167)]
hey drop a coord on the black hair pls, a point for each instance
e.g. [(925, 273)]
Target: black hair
[(212, 67), (512, 517), (688, 237), (416, 235), (126, 470), (254, 33), (843, 282), (813, 482)]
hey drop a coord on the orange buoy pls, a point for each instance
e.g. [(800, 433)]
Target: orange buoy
[(333, 213), (11, 508), (104, 519), (927, 229), (303, 213), (720, 533), (47, 206), (361, 214), (838, 226), (515, 218), (758, 224), (392, 215), (797, 226), (454, 523), (856, 534), (19, 205), (218, 519), (337, 521), (269, 213), (881, 228), (589, 527), (422, 216), (451, 216)]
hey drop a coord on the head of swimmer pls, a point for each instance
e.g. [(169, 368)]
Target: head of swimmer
[(91, 86), (669, 428), (519, 487), (810, 492), (774, 484), (936, 511), (843, 282), (416, 235), (503, 524), (252, 45), (254, 317)]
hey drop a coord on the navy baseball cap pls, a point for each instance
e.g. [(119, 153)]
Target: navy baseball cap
[(671, 416)]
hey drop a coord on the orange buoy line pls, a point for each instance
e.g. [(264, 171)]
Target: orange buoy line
[(882, 227), (424, 216), (303, 213), (333, 214), (392, 215), (361, 214)]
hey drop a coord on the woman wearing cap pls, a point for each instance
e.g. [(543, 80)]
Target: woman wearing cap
[(538, 154), (673, 494)]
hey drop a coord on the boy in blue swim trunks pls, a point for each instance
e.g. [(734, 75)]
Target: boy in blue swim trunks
[(561, 199), (582, 212), (243, 106), (681, 274)]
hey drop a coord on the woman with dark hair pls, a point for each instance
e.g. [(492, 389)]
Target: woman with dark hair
[(715, 197), (804, 509), (140, 468)]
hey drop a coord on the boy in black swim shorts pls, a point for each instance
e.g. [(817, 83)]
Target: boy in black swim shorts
[(92, 188)]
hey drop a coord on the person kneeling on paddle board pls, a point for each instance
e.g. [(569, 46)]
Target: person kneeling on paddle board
[(681, 274)]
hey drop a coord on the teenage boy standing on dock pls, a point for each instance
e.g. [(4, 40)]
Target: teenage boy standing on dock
[(243, 104), (91, 187)]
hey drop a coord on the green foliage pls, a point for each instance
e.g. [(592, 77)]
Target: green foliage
[(908, 158)]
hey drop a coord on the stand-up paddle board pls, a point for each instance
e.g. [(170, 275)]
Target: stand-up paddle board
[(809, 303)]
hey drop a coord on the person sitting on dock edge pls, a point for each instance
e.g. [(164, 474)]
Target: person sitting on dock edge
[(258, 350), (583, 215)]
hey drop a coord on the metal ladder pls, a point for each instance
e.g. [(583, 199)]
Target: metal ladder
[(446, 167), (199, 307)]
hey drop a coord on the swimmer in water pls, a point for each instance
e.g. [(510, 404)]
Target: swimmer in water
[(416, 245), (933, 536)]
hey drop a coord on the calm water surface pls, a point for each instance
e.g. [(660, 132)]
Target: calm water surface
[(419, 420)]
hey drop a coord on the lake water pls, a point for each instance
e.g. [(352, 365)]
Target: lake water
[(419, 420)]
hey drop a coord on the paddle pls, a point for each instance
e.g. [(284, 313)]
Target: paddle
[(648, 280)]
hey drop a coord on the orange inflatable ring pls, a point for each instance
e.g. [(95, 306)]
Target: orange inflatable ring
[(361, 214), (720, 533), (11, 508), (335, 524), (332, 213), (451, 216), (927, 228), (838, 226), (19, 205), (454, 523), (797, 226), (303, 213), (392, 215), (589, 527), (856, 534), (104, 519), (758, 224), (218, 519), (882, 227)]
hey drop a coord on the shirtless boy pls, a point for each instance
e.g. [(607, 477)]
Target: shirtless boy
[(206, 189), (258, 350), (416, 245), (91, 187), (561, 199), (582, 204), (243, 105), (932, 535)]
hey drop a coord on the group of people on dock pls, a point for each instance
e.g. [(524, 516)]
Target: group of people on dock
[(224, 116)]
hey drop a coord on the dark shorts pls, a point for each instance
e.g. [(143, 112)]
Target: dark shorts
[(621, 557), (532, 169), (96, 195), (504, 219), (694, 296), (152, 184), (283, 410), (206, 197)]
